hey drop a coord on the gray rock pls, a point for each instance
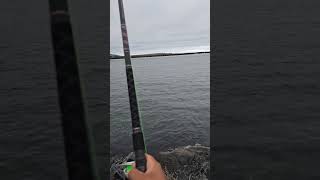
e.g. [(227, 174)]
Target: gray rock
[(190, 162)]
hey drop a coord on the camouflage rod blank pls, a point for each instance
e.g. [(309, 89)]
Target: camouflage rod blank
[(137, 133)]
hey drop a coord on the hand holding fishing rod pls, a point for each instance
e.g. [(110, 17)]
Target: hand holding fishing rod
[(137, 133), (154, 171)]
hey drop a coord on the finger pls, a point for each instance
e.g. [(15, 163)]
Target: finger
[(149, 157), (151, 162), (135, 174)]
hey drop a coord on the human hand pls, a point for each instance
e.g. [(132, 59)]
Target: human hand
[(153, 172)]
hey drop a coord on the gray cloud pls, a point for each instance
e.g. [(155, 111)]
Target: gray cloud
[(162, 25)]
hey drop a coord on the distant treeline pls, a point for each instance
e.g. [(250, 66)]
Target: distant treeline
[(112, 56)]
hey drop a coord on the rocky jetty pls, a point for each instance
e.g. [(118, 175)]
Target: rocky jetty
[(113, 56)]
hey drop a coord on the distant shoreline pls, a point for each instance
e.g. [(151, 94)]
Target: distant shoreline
[(156, 55)]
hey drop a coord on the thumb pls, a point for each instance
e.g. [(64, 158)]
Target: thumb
[(135, 174)]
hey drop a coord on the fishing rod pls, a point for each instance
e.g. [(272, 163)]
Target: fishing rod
[(137, 132), (77, 140)]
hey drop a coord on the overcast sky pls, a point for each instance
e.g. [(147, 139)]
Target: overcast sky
[(162, 26)]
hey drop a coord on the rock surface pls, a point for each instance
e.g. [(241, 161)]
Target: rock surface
[(190, 162)]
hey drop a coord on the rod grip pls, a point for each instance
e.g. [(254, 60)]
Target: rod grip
[(139, 149), (140, 160)]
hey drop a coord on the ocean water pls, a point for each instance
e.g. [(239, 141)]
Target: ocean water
[(173, 94), (31, 141), (266, 89)]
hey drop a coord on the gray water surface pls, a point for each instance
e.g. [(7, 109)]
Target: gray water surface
[(31, 140), (266, 89), (173, 94)]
